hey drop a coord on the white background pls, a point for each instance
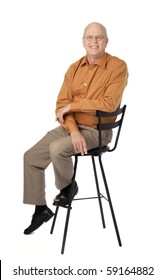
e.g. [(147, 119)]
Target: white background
[(39, 39)]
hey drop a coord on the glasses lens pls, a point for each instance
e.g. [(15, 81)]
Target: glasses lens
[(99, 38), (91, 38)]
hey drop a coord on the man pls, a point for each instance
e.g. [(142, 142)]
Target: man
[(94, 82)]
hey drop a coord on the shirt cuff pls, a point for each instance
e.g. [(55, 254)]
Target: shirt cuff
[(70, 127)]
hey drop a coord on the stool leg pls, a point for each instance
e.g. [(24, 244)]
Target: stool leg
[(110, 203), (69, 208), (98, 192), (55, 216), (65, 229)]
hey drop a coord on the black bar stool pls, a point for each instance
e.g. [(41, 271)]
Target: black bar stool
[(118, 116)]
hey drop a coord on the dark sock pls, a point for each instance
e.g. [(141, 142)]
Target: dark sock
[(39, 209)]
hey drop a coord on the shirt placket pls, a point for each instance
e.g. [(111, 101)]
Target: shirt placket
[(87, 81)]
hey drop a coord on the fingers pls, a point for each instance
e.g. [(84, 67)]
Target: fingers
[(59, 116), (62, 112), (79, 142), (84, 149), (81, 147)]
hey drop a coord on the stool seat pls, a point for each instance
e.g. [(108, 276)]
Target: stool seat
[(95, 151)]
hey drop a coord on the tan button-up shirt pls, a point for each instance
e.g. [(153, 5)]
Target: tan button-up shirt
[(92, 87)]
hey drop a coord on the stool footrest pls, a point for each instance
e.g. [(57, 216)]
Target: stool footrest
[(90, 197)]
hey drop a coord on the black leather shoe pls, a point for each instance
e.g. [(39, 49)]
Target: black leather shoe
[(38, 220), (66, 195)]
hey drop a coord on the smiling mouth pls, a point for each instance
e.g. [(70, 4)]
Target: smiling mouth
[(94, 47)]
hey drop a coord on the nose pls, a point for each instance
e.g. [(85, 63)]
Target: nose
[(94, 39)]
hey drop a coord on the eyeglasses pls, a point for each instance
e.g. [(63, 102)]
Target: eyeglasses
[(98, 38)]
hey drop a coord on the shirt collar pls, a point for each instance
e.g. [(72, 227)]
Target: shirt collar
[(101, 62)]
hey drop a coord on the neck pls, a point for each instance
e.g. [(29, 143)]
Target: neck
[(93, 60)]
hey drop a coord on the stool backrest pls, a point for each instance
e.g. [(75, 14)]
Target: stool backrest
[(119, 116)]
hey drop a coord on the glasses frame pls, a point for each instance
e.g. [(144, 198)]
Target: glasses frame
[(97, 38)]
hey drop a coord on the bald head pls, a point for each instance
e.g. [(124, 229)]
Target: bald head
[(95, 25)]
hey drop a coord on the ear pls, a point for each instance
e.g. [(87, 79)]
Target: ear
[(83, 41), (106, 42)]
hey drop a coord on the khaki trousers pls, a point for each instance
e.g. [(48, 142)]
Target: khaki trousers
[(55, 147)]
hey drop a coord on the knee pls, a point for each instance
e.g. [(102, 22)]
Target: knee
[(28, 156)]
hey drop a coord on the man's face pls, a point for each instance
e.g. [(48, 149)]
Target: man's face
[(95, 41)]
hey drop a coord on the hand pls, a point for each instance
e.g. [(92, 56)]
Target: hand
[(78, 142), (62, 112)]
